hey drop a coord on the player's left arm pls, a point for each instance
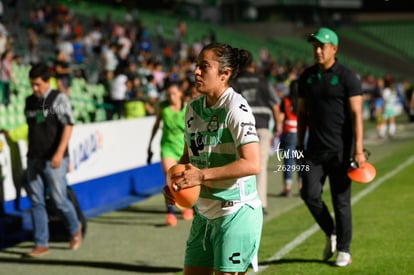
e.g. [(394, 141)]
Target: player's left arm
[(241, 124)]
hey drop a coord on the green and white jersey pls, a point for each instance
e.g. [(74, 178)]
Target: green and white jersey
[(213, 136)]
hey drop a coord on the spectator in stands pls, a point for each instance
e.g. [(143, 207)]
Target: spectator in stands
[(87, 46), (62, 73), (110, 61), (288, 120), (3, 43), (125, 45), (77, 28), (118, 94), (107, 24), (151, 91), (171, 113), (64, 45), (159, 75), (167, 55), (132, 71), (222, 155), (135, 105), (96, 37), (390, 98), (265, 106), (37, 19), (378, 102), (33, 41), (78, 57), (133, 86), (143, 44), (6, 75), (180, 33), (78, 50), (136, 100), (65, 32), (143, 69), (49, 116), (330, 104)]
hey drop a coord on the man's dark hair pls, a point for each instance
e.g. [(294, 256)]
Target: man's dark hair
[(39, 70), (245, 59)]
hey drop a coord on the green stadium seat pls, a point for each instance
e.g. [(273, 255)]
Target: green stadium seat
[(392, 34)]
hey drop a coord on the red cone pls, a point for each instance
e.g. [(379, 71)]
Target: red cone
[(363, 174)]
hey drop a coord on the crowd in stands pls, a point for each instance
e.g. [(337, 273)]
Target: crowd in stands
[(134, 65)]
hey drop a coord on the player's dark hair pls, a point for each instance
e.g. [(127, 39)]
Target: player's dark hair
[(39, 70), (227, 57)]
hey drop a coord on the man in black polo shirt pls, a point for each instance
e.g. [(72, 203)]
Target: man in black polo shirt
[(330, 105), (49, 117)]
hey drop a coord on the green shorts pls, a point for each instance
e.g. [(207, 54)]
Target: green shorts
[(227, 244), (388, 113)]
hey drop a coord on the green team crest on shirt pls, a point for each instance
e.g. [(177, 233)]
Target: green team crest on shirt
[(334, 80), (213, 125)]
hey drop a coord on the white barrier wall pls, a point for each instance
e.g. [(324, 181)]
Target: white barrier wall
[(101, 149), (96, 150)]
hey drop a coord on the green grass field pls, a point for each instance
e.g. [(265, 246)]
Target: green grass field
[(382, 224)]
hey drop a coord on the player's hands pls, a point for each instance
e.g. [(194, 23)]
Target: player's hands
[(190, 177)]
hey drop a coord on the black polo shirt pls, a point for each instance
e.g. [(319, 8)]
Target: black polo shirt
[(46, 117), (259, 94), (326, 97)]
